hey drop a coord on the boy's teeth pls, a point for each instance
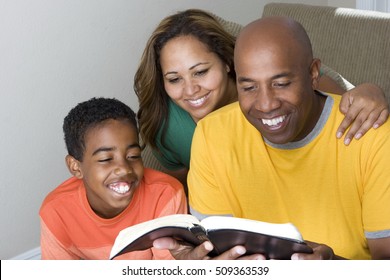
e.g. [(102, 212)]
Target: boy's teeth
[(119, 187), (272, 122)]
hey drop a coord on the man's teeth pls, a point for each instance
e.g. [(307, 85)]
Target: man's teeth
[(198, 101), (119, 187), (273, 122)]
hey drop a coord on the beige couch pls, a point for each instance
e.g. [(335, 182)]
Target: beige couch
[(355, 43)]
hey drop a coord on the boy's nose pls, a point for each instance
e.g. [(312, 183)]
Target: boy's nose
[(123, 170)]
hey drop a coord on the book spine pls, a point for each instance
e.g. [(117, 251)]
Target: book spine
[(199, 232)]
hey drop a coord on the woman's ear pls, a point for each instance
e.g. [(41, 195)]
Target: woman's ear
[(74, 166), (315, 73), (227, 68)]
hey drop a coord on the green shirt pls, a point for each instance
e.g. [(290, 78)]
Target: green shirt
[(175, 148)]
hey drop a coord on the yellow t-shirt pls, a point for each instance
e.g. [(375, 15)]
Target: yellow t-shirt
[(335, 194)]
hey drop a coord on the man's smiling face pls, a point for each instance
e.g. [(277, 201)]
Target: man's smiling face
[(275, 82)]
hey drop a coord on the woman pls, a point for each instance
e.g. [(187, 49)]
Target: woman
[(187, 72)]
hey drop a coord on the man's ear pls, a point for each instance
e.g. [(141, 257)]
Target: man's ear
[(74, 166), (315, 73)]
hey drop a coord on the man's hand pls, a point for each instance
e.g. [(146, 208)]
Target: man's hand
[(181, 251), (320, 252)]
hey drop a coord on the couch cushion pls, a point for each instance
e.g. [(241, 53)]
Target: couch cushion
[(355, 43)]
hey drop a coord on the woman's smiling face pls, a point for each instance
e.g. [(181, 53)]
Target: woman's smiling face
[(194, 78)]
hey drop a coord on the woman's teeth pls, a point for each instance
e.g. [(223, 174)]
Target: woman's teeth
[(199, 101)]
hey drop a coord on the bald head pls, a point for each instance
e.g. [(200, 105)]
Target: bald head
[(279, 33)]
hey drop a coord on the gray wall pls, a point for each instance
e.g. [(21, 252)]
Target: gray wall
[(54, 54)]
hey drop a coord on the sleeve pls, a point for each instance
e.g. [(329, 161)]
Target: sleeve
[(376, 182), (172, 201), (205, 195), (51, 248)]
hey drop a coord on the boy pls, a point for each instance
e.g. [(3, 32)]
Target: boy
[(110, 189)]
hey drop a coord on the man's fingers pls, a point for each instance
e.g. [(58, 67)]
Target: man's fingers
[(232, 254)]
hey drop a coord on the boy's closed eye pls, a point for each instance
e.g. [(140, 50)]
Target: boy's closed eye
[(134, 157), (104, 160)]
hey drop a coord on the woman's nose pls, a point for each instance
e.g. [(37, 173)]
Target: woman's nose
[(191, 87)]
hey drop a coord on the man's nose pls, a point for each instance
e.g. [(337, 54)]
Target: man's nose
[(266, 100)]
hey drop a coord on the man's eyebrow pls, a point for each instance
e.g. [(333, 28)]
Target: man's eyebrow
[(109, 149), (249, 80), (281, 75), (244, 80)]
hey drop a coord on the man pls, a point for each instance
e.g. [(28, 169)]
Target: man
[(273, 155)]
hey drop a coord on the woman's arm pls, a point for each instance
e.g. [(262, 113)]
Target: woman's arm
[(364, 107)]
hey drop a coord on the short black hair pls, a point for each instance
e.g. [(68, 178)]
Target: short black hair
[(88, 114)]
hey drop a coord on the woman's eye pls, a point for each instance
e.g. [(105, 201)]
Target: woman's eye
[(173, 80), (251, 88), (202, 72)]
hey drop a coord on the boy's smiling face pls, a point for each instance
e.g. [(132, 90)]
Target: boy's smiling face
[(111, 167)]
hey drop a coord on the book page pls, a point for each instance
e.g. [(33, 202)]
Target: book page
[(128, 235), (287, 230)]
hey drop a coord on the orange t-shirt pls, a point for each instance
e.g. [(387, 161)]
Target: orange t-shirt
[(70, 229)]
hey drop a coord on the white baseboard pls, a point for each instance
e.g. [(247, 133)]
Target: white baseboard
[(33, 254)]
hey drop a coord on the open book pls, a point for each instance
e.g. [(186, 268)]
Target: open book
[(275, 241)]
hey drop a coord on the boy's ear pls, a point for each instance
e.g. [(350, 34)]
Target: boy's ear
[(74, 166)]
